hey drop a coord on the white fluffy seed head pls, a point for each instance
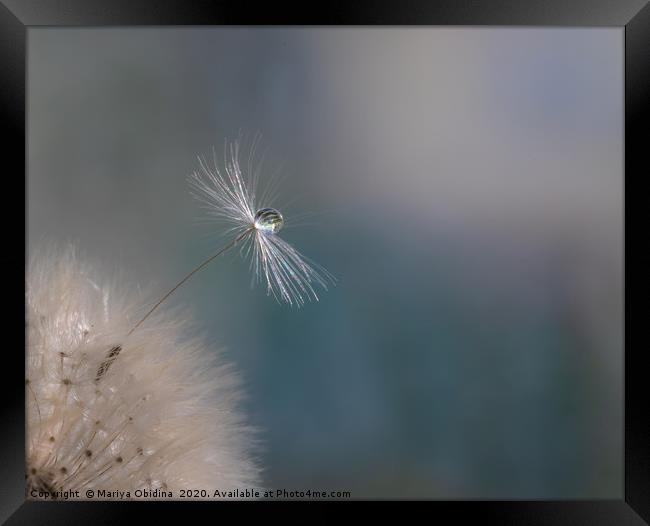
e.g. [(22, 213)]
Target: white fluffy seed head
[(110, 411)]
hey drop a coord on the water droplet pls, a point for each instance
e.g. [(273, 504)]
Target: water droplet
[(268, 220)]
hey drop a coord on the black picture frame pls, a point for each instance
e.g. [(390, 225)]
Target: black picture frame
[(17, 16)]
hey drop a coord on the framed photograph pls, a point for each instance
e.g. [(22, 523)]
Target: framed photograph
[(356, 253)]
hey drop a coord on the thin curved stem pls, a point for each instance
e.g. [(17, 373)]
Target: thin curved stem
[(206, 262), (115, 350)]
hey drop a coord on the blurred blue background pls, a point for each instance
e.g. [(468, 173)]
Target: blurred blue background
[(463, 184)]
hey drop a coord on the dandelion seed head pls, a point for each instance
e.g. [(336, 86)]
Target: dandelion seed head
[(230, 193), (162, 413)]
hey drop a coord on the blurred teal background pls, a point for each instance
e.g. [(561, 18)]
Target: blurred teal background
[(463, 184)]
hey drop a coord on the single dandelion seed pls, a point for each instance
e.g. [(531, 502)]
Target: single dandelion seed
[(231, 196)]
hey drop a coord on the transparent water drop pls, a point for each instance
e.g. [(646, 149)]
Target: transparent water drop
[(268, 220)]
